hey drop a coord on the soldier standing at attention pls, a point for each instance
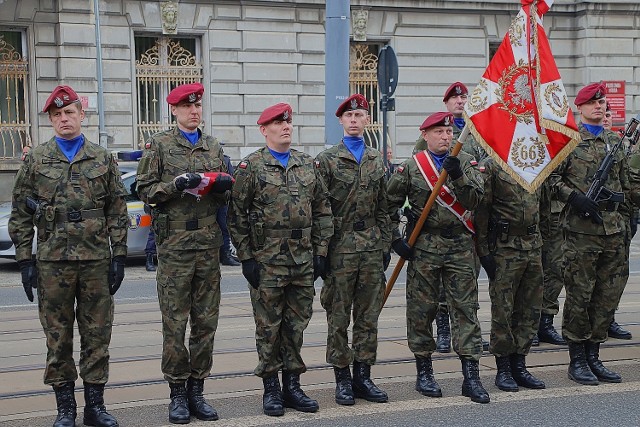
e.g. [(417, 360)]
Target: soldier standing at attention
[(188, 240), (443, 255), (594, 247), (508, 222), (70, 188), (280, 222), (359, 253)]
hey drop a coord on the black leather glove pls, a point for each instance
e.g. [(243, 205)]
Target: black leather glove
[(29, 273), (319, 267), (386, 259), (116, 273), (403, 249), (488, 262), (251, 272), (585, 206), (222, 182), (452, 165), (188, 180)]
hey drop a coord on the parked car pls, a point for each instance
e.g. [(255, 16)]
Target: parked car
[(139, 222)]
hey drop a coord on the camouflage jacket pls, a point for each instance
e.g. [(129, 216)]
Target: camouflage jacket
[(408, 182), (279, 216), (89, 187), (576, 173), (358, 194), (169, 154), (508, 215)]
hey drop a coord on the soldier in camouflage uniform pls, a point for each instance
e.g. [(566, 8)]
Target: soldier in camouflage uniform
[(188, 239), (280, 222), (509, 241), (443, 253), (359, 252), (70, 189), (594, 241)]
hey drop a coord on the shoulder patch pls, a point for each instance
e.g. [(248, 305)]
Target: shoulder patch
[(474, 162), (243, 164), (400, 169), (482, 168), (317, 163), (147, 144)]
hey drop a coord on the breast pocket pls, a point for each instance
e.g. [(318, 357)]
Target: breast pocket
[(97, 178), (342, 184), (504, 189), (203, 164), (174, 166), (270, 185), (48, 177)]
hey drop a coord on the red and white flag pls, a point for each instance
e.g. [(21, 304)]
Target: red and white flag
[(519, 112)]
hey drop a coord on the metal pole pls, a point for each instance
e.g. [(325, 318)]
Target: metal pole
[(336, 71), (101, 129), (383, 105)]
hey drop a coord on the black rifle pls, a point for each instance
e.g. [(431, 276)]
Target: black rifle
[(597, 191)]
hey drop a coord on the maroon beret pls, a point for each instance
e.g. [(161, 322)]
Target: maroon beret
[(191, 93), (354, 102), (437, 119), (61, 97), (280, 111), (455, 89), (589, 92)]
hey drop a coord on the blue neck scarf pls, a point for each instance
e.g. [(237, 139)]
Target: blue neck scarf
[(70, 147), (594, 129), (193, 137), (459, 121), (283, 158), (438, 159), (355, 145)]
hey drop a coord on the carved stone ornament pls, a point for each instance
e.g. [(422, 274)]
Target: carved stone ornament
[(359, 23), (169, 15)]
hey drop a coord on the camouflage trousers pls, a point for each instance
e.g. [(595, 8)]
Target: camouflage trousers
[(595, 266), (552, 263), (69, 290), (457, 273), (442, 300), (188, 291), (355, 286), (282, 309), (516, 300)]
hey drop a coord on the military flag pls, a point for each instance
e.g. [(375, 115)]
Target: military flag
[(519, 112)]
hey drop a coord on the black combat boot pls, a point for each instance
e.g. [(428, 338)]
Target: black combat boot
[(66, 403), (95, 414), (150, 265), (272, 404), (178, 408), (363, 386), (592, 350), (198, 406), (227, 258), (546, 331), (344, 390), (426, 384), (293, 396), (443, 342), (521, 375), (616, 331), (485, 345), (471, 386), (535, 341), (504, 380), (579, 370)]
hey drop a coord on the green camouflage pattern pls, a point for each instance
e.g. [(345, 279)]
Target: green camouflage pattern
[(268, 203), (516, 290), (552, 264), (439, 259), (355, 285), (60, 284), (188, 275), (91, 181), (167, 155), (188, 284)]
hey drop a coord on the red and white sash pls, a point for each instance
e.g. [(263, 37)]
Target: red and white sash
[(446, 198)]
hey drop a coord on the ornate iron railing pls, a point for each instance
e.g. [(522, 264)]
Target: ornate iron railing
[(15, 128)]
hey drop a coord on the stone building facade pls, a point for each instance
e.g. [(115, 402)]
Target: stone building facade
[(250, 54)]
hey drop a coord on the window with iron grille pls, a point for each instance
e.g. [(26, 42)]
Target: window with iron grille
[(363, 79)]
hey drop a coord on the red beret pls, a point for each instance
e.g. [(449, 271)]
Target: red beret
[(589, 92), (354, 102), (280, 111), (191, 93), (455, 89), (437, 119), (61, 97)]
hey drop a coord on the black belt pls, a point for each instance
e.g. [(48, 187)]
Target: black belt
[(295, 233), (78, 216), (192, 224), (523, 231)]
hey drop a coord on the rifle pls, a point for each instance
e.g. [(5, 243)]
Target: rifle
[(597, 191)]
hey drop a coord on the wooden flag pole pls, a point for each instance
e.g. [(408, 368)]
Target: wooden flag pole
[(425, 213)]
